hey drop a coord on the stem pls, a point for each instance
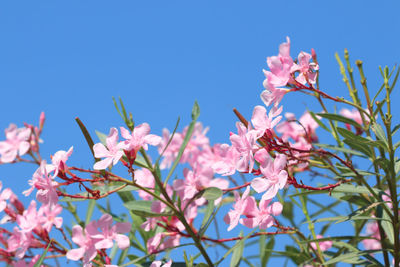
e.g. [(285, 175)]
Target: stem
[(392, 174), (311, 228), (178, 214)]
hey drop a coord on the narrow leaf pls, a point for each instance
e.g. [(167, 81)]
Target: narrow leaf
[(237, 252)]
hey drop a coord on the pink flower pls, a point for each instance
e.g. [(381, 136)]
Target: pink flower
[(225, 159), (160, 264), (145, 178), (261, 217), (163, 240), (86, 250), (245, 143), (354, 114), (17, 143), (307, 74), (241, 204), (139, 138), (19, 242), (305, 127), (29, 219), (48, 216), (197, 180), (274, 175), (104, 238), (44, 183), (323, 245), (196, 144), (112, 153), (4, 196), (23, 263), (373, 231), (262, 122), (59, 159), (280, 66)]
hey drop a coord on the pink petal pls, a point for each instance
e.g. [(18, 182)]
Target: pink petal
[(260, 184), (122, 241), (103, 164), (123, 227), (100, 151), (75, 254)]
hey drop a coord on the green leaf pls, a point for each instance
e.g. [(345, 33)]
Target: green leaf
[(352, 257), (86, 134), (377, 129), (386, 224), (90, 209), (295, 255), (195, 115), (232, 248), (320, 123), (340, 149), (195, 111), (265, 253), (102, 137), (237, 252), (41, 259), (287, 211), (394, 130), (212, 193), (353, 138), (364, 149), (397, 166), (143, 208), (339, 118), (348, 188), (207, 215)]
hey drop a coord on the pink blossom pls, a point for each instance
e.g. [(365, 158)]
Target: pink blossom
[(274, 175), (23, 263), (280, 66), (323, 245), (372, 230), (196, 144), (112, 153), (262, 122), (272, 95), (307, 74), (4, 196), (16, 143), (163, 240), (305, 127), (160, 264), (29, 218), (44, 183), (59, 159), (104, 238), (48, 216), (225, 158), (245, 143), (139, 138), (261, 217), (86, 250), (241, 204), (19, 242), (145, 178), (196, 180), (354, 114)]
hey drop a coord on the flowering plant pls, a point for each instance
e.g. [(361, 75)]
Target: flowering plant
[(357, 169)]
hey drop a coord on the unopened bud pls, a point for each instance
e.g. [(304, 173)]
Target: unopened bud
[(314, 54), (41, 121)]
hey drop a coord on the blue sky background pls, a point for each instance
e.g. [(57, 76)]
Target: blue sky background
[(69, 58)]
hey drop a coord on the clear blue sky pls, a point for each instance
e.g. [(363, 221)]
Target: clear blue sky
[(68, 58)]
